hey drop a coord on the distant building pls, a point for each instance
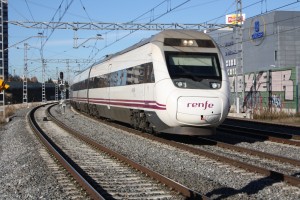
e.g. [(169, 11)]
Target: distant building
[(34, 91), (3, 40), (271, 60)]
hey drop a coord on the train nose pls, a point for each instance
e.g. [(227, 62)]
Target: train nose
[(199, 110)]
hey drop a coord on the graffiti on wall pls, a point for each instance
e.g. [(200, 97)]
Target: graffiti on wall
[(271, 87), (276, 101)]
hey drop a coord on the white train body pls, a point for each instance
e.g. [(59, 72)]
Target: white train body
[(173, 82)]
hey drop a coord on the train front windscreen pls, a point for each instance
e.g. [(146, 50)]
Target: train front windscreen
[(194, 70)]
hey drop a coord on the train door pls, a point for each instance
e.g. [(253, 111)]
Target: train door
[(149, 82), (87, 84)]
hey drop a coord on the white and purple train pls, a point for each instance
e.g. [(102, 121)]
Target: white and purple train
[(173, 82)]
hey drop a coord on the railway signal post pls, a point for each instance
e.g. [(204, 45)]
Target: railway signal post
[(62, 89), (3, 87)]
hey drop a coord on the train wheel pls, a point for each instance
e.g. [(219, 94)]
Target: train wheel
[(94, 111), (135, 120), (145, 125), (140, 122)]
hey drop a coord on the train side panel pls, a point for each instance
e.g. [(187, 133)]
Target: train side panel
[(125, 90), (79, 96)]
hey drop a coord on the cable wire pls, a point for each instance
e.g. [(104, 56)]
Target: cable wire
[(161, 15), (29, 10), (60, 18)]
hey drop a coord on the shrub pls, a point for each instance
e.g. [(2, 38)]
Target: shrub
[(277, 116)]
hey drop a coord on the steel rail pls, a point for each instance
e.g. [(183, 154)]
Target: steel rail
[(190, 194), (259, 122), (252, 152), (270, 173), (59, 155), (281, 137), (263, 132)]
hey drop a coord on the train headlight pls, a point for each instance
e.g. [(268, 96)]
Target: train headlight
[(188, 42), (215, 85), (180, 84)]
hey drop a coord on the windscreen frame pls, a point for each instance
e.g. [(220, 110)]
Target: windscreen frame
[(218, 76)]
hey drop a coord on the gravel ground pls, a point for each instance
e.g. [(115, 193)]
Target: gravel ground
[(217, 180), (25, 174)]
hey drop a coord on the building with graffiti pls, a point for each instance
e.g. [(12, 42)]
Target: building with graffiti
[(271, 61)]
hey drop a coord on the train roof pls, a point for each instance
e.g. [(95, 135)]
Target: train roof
[(159, 37), (139, 44)]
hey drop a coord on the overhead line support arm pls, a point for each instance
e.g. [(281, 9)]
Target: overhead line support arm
[(115, 26)]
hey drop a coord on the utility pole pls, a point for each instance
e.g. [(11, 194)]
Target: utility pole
[(68, 77), (62, 88), (43, 81), (56, 85), (25, 73), (4, 44), (2, 50), (239, 55)]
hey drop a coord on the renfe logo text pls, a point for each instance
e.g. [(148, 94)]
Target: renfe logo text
[(200, 105)]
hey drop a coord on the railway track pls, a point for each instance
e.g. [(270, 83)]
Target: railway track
[(277, 172), (262, 125), (103, 173), (266, 168), (283, 138), (276, 167), (237, 161)]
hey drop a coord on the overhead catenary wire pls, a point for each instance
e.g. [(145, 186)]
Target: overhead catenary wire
[(267, 35), (233, 3), (169, 9), (255, 3), (15, 10), (163, 14), (60, 18), (95, 44), (29, 10), (140, 16), (94, 47)]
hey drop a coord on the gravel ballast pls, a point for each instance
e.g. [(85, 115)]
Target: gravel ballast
[(24, 172)]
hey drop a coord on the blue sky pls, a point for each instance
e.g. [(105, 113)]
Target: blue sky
[(60, 44)]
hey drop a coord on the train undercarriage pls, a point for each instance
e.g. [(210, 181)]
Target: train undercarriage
[(141, 120), (138, 119)]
